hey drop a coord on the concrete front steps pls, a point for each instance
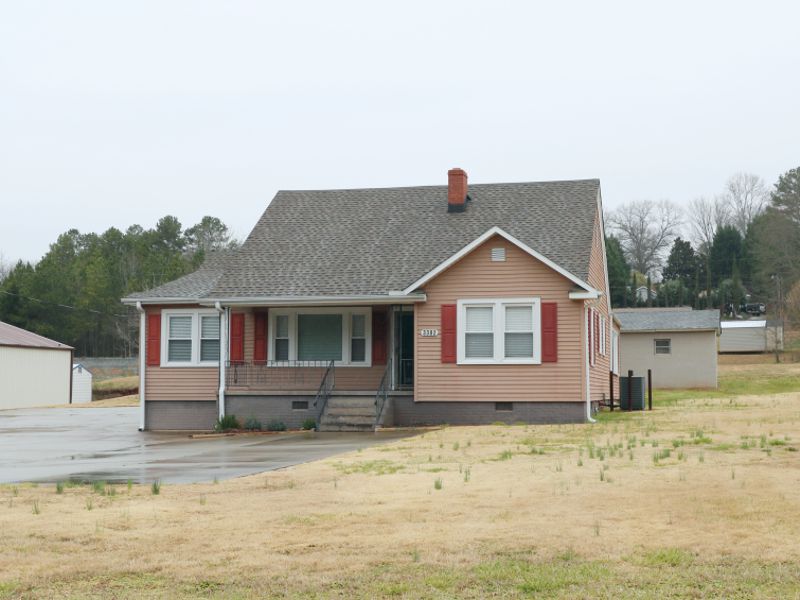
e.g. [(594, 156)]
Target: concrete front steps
[(349, 413)]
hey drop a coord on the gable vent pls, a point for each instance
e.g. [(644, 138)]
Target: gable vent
[(498, 254)]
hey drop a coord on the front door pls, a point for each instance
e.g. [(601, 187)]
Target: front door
[(404, 347)]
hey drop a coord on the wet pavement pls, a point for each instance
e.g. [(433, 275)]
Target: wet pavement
[(91, 444)]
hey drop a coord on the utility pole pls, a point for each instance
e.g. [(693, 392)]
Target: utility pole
[(779, 320)]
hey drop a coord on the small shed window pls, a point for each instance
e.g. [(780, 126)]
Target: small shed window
[(663, 346), (498, 254)]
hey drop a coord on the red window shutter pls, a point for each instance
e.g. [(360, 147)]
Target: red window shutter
[(260, 337), (379, 331), (549, 332), (237, 337), (449, 333), (153, 340)]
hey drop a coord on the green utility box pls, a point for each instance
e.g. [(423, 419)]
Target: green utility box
[(636, 402)]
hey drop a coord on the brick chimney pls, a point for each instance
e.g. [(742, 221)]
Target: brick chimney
[(456, 190)]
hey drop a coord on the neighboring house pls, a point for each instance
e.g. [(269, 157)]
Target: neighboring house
[(81, 384), (34, 370), (397, 306), (641, 294), (751, 336), (678, 344)]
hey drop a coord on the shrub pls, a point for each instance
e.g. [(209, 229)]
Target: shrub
[(227, 423), (252, 424), (309, 424), (276, 426)]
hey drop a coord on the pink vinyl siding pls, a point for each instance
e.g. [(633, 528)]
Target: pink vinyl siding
[(598, 374), (180, 383), (476, 276)]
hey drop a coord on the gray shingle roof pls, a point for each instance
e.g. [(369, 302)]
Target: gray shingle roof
[(374, 241), (651, 319), (194, 285)]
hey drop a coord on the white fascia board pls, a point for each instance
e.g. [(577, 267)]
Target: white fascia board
[(594, 294), (480, 240), (134, 301), (391, 298)]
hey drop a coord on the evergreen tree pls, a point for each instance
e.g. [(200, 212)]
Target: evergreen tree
[(618, 271)]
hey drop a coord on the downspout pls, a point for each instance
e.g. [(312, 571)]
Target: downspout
[(142, 351), (223, 346), (588, 365), (71, 362)]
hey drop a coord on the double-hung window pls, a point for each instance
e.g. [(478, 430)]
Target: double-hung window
[(189, 338), (499, 331), (306, 336), (663, 346)]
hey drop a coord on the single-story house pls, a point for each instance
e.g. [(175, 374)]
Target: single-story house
[(678, 344), (361, 308), (749, 336), (34, 370), (81, 384)]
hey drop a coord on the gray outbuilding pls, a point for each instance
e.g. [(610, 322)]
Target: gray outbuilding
[(678, 344)]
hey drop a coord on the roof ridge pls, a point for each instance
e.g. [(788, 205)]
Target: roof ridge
[(440, 186)]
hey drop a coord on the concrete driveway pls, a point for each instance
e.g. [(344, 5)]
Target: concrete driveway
[(90, 444)]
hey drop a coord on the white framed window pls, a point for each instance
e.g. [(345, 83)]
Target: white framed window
[(358, 338), (189, 338), (663, 346), (310, 335), (499, 331), (603, 334), (281, 342)]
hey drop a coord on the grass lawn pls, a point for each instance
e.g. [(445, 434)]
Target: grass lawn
[(115, 387), (696, 499)]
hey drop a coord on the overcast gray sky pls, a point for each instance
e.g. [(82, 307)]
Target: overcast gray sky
[(113, 113)]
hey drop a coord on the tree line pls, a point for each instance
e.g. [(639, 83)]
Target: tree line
[(743, 245), (73, 293)]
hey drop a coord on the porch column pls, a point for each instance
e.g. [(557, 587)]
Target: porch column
[(223, 356)]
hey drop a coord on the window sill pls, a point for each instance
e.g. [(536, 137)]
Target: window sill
[(189, 365), (506, 361)]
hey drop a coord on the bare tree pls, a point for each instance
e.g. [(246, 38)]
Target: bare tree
[(706, 215), (746, 196), (646, 229)]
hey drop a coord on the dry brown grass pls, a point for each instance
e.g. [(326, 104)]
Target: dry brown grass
[(521, 511)]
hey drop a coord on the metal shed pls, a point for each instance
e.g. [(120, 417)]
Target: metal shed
[(34, 370), (751, 336), (81, 384)]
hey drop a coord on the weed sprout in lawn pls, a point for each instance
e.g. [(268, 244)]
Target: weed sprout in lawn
[(59, 487), (155, 488), (89, 503), (36, 509), (467, 474), (437, 484)]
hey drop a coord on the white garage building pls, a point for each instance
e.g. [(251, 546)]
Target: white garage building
[(751, 336), (678, 344), (34, 370)]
